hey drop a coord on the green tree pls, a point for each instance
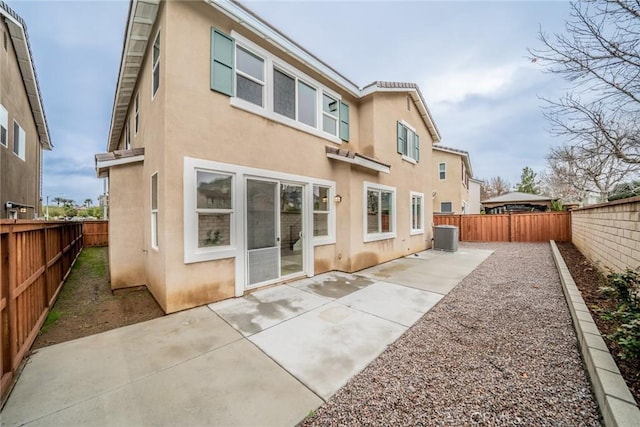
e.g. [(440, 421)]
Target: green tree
[(528, 183)]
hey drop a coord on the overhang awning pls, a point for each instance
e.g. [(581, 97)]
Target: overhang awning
[(115, 158), (357, 159)]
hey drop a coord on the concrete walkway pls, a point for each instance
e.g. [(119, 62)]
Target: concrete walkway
[(268, 358)]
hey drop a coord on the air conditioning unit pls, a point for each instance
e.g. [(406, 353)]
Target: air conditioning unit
[(445, 238)]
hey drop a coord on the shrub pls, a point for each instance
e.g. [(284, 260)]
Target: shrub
[(627, 290)]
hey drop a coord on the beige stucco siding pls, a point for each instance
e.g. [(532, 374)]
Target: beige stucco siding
[(451, 189), (187, 123), (126, 246), (20, 179)]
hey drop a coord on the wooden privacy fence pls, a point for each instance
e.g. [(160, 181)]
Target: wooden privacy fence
[(517, 227), (35, 259), (95, 233)]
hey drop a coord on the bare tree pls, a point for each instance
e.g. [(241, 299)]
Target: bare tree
[(586, 172), (494, 187), (600, 54)]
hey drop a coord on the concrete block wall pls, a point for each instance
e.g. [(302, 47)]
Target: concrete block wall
[(609, 233)]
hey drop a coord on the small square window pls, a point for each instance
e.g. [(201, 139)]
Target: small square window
[(446, 207)]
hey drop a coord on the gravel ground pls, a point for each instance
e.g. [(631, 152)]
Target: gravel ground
[(498, 350)]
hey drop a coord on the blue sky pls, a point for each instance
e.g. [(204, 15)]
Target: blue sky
[(469, 59)]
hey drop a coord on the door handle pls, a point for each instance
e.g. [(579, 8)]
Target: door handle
[(300, 235)]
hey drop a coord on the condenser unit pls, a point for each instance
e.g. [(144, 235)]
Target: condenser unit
[(445, 238)]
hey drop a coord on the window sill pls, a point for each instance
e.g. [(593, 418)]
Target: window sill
[(409, 160), (252, 108), (377, 237), (200, 255), (416, 232), (326, 240)]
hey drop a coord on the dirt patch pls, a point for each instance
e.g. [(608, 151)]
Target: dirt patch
[(588, 280), (86, 305)]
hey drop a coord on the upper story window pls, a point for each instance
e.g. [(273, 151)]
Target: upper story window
[(465, 177), (330, 117), (156, 66), (4, 125), (293, 98), (19, 141), (442, 171), (127, 136), (249, 76), (408, 142), (136, 114), (261, 83)]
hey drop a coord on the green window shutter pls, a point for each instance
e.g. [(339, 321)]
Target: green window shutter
[(222, 68), (402, 139), (344, 121), (417, 148)]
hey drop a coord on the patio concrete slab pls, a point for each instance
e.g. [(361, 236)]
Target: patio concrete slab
[(326, 346), (269, 360), (433, 271), (393, 302), (236, 385), (66, 374), (262, 309), (333, 285)]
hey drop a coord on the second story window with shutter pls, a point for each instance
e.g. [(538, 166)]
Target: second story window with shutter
[(408, 142)]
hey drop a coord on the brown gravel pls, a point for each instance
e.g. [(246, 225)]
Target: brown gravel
[(498, 350)]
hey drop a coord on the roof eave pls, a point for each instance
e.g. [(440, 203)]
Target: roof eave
[(416, 97), (262, 28), (132, 60), (20, 40)]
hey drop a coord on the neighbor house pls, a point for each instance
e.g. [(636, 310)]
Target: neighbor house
[(23, 125), (454, 190), (236, 159), (517, 202)]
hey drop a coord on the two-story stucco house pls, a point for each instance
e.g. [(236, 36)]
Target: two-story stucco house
[(23, 125), (236, 159), (455, 189)]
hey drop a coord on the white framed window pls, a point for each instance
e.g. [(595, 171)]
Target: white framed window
[(293, 98), (206, 188), (136, 115), (330, 114), (261, 83), (4, 126), (446, 207), (379, 213), (154, 210), (127, 135), (442, 171), (408, 142), (250, 76), (417, 213), (19, 141), (155, 77), (322, 202), (465, 176), (214, 209)]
